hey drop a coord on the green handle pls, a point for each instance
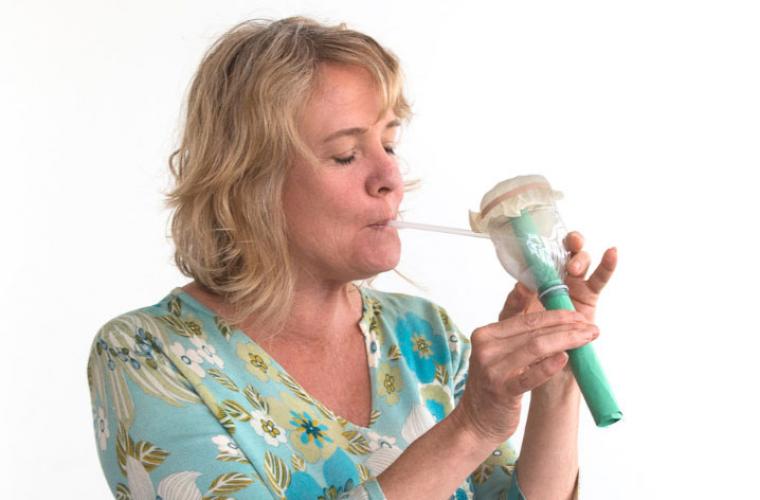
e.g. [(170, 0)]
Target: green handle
[(586, 368)]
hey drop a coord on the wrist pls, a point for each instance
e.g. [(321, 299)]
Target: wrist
[(562, 388), (469, 436)]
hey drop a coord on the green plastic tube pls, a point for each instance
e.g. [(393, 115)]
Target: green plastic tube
[(586, 368)]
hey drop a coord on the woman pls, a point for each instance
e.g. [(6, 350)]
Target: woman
[(273, 374)]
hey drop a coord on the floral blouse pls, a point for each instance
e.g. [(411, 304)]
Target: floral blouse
[(185, 407)]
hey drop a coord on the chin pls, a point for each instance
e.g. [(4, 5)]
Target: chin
[(380, 262)]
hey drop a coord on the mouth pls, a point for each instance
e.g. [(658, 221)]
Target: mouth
[(382, 223)]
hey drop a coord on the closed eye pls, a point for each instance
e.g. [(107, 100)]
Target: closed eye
[(350, 159), (346, 160)]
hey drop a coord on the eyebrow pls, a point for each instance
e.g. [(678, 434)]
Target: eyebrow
[(357, 131)]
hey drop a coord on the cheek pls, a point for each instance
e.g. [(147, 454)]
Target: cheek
[(322, 217)]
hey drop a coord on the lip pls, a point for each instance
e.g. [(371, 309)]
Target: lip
[(382, 222)]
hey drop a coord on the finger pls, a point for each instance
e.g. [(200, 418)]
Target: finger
[(573, 242), (516, 303), (578, 265), (537, 374), (518, 352), (602, 274), (544, 343), (522, 323)]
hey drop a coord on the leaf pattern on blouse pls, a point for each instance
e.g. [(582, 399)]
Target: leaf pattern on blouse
[(184, 406)]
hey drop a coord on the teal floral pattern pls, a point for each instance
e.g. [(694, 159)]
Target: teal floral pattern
[(184, 406)]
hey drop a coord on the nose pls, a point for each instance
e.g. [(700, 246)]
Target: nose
[(385, 177)]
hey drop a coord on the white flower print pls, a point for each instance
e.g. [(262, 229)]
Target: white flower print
[(101, 428), (207, 351), (177, 486), (376, 441), (227, 446), (190, 357), (417, 423), (383, 452), (373, 345), (381, 459), (265, 427), (373, 349)]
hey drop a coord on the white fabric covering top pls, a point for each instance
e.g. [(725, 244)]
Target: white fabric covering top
[(508, 198)]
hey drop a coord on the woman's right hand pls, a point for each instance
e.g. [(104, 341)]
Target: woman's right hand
[(512, 357)]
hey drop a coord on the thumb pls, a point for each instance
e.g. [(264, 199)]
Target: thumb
[(517, 302)]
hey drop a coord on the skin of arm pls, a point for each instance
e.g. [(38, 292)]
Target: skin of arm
[(437, 463), (441, 459), (548, 463)]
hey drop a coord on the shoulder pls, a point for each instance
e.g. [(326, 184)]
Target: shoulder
[(124, 327), (147, 337), (170, 317), (393, 306), (142, 349)]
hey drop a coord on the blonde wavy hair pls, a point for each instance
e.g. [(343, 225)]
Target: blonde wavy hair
[(239, 137)]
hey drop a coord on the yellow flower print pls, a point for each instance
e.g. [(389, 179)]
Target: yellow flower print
[(310, 432), (438, 400), (389, 383), (421, 345), (503, 457), (256, 360)]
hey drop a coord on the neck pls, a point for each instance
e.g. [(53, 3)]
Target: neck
[(321, 312)]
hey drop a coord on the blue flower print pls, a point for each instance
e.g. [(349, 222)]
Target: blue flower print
[(310, 430), (339, 473), (420, 348), (459, 495), (146, 346)]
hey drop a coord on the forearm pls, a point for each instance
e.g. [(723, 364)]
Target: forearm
[(435, 464), (548, 463)]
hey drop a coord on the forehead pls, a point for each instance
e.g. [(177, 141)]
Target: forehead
[(343, 96)]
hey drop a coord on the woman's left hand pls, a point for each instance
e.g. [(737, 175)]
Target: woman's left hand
[(583, 292)]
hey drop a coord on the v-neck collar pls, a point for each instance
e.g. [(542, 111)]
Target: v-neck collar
[(363, 324)]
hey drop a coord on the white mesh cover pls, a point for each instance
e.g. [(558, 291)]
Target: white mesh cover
[(508, 198)]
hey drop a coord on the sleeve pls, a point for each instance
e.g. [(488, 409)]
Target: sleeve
[(155, 437), (496, 477), (368, 490)]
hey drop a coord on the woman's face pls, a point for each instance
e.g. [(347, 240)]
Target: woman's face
[(336, 210)]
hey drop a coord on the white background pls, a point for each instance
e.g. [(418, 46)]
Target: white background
[(645, 114)]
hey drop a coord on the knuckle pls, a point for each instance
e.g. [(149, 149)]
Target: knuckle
[(480, 335), (523, 382), (535, 347), (579, 336), (478, 332), (480, 354), (575, 317), (531, 320), (566, 316)]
